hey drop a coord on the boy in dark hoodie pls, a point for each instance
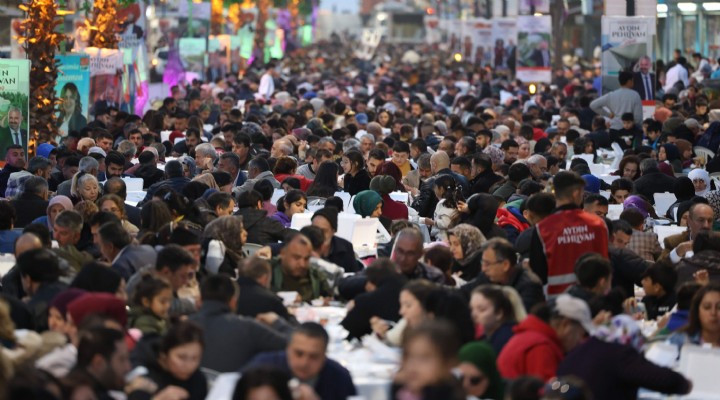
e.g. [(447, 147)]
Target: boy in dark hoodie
[(659, 285)]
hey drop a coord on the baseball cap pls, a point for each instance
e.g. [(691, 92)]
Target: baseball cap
[(575, 309), (361, 118)]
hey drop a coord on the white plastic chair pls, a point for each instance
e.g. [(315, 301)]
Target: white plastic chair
[(715, 177), (663, 201), (300, 220), (277, 194), (402, 197), (249, 249), (345, 196), (346, 225), (605, 194), (703, 152)]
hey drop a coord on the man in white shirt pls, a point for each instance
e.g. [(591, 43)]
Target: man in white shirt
[(677, 73), (267, 83)]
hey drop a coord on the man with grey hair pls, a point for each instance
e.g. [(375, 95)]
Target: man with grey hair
[(66, 231), (538, 165), (32, 202), (205, 156), (128, 150), (88, 165), (258, 169), (367, 143), (376, 130), (652, 180), (281, 148), (350, 144), (327, 143)]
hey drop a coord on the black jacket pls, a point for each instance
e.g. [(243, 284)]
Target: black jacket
[(653, 181), (707, 259), (133, 214), (27, 208), (426, 200), (343, 255), (627, 269), (483, 181), (468, 266), (358, 183), (255, 299), (526, 283), (39, 303), (384, 302), (260, 228), (5, 176), (150, 175)]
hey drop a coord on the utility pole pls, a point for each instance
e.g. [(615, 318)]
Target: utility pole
[(557, 9)]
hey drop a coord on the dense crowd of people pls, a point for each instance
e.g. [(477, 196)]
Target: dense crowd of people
[(501, 276)]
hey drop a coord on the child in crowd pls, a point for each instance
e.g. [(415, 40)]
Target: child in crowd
[(659, 285), (446, 211), (150, 308)]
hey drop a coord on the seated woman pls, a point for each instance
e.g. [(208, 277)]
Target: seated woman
[(496, 310), (412, 311), (368, 204), (114, 204), (223, 241), (326, 180), (465, 242), (292, 203), (703, 328), (56, 205), (286, 167), (669, 154), (684, 190), (84, 186), (356, 177), (620, 189), (176, 367), (480, 377)]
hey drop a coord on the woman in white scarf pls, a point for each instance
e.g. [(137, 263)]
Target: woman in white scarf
[(701, 179)]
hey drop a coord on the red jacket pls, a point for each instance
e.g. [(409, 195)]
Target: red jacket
[(566, 235), (533, 350), (393, 209), (304, 182)]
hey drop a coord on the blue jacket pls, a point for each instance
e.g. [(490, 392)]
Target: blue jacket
[(333, 383)]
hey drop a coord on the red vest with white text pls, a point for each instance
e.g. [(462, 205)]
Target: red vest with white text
[(566, 235)]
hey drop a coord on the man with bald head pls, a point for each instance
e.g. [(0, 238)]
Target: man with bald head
[(538, 165), (11, 283), (700, 218), (426, 200), (292, 272)]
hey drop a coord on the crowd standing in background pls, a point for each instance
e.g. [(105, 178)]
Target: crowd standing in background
[(500, 270)]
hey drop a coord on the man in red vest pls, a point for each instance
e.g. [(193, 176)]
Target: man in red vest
[(568, 233)]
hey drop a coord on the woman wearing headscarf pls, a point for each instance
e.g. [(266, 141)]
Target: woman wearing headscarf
[(368, 204), (701, 179), (56, 205), (223, 241), (612, 366), (686, 152), (642, 205), (479, 211), (480, 377), (465, 243), (670, 154)]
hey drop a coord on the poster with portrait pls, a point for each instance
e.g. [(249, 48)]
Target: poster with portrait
[(132, 33), (14, 103), (106, 67), (504, 39), (534, 53), (530, 7), (477, 41), (192, 56), (72, 87), (627, 45)]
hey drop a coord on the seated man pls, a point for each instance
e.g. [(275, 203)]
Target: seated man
[(39, 272), (499, 266), (66, 230), (255, 294), (174, 264), (117, 248), (306, 360), (291, 271), (102, 358), (336, 250), (8, 235), (224, 352), (32, 201)]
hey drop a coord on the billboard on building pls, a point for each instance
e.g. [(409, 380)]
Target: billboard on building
[(628, 44), (534, 52), (14, 103), (73, 88)]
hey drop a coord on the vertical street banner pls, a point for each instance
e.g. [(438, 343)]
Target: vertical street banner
[(73, 89), (133, 31), (628, 45), (106, 68), (504, 39), (192, 56), (477, 41), (14, 103), (534, 54)]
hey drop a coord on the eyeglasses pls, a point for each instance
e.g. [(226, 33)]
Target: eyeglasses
[(486, 263)]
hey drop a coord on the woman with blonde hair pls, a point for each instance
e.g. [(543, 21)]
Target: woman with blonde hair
[(84, 186), (497, 309), (207, 179), (114, 204)]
